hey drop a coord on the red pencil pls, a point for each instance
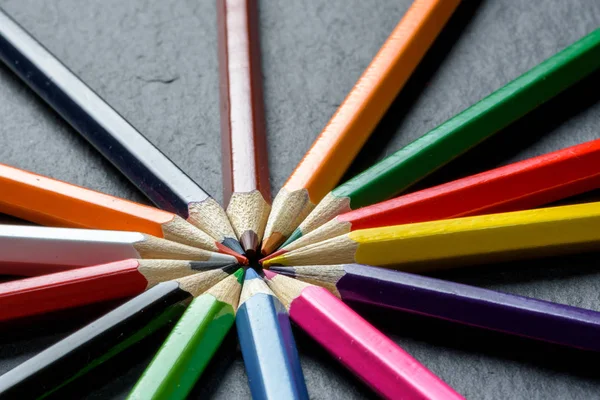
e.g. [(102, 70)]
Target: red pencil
[(78, 287), (368, 353), (526, 184)]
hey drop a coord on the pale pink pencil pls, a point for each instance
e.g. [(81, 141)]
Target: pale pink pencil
[(368, 353)]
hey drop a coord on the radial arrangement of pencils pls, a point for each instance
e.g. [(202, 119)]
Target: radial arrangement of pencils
[(299, 261)]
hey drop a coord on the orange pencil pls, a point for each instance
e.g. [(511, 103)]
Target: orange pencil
[(354, 121), (47, 201)]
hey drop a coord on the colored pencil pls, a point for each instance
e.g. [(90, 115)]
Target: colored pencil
[(41, 294), (430, 245), (35, 250), (464, 304), (102, 339), (246, 187), (520, 186), (268, 346), (365, 351), (48, 201), (356, 118), (139, 160), (460, 133), (184, 355)]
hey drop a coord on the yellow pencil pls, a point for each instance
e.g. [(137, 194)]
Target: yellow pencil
[(461, 241)]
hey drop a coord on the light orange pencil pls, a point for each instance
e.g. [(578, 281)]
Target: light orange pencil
[(354, 121)]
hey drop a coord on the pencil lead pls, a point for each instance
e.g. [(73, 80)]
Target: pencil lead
[(250, 242), (287, 271), (273, 255), (233, 245), (297, 234), (251, 274), (268, 274), (272, 243), (226, 250)]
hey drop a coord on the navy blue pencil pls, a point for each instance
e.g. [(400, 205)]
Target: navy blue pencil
[(267, 343), (116, 139)]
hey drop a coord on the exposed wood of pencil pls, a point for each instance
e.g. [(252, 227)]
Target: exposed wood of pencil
[(115, 138), (267, 343), (33, 250), (354, 121), (102, 339), (460, 133), (246, 187), (456, 242), (48, 201), (365, 351), (464, 304), (82, 286), (185, 353), (519, 186)]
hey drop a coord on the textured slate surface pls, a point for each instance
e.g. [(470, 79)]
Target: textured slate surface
[(156, 62)]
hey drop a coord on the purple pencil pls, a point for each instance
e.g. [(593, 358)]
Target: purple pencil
[(517, 315)]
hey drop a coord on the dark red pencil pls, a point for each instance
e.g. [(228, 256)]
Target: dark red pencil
[(78, 287), (245, 165)]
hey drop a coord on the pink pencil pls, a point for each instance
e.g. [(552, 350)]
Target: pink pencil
[(368, 353)]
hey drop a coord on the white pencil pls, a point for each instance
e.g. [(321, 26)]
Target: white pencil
[(34, 250)]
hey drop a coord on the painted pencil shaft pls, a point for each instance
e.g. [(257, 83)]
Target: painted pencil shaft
[(460, 133), (95, 343), (519, 186), (365, 351), (185, 354), (267, 343), (464, 304), (34, 250), (78, 287), (246, 187), (456, 242), (349, 128), (117, 140), (48, 201)]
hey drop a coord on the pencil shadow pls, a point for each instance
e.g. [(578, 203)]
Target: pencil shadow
[(525, 271), (463, 338), (520, 135), (9, 79), (389, 125), (312, 353), (206, 387)]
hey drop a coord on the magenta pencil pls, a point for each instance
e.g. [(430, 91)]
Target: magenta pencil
[(368, 353)]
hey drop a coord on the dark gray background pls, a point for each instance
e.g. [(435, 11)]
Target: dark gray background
[(156, 62)]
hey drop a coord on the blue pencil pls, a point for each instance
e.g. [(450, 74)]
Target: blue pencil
[(267, 343)]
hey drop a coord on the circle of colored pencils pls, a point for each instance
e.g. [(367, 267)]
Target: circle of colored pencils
[(464, 304), (356, 118), (519, 186), (82, 286), (368, 353), (460, 133), (116, 139), (267, 343), (185, 353), (47, 201), (435, 244), (36, 250), (102, 339), (246, 187)]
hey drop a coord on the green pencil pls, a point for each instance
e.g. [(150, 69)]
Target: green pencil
[(460, 133), (184, 355)]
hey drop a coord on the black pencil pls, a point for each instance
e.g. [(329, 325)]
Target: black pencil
[(104, 338), (115, 138)]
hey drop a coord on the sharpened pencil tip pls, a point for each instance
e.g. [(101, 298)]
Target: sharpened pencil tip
[(297, 234), (287, 271), (269, 274), (272, 243), (226, 250), (250, 242), (273, 255), (233, 244), (251, 274)]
